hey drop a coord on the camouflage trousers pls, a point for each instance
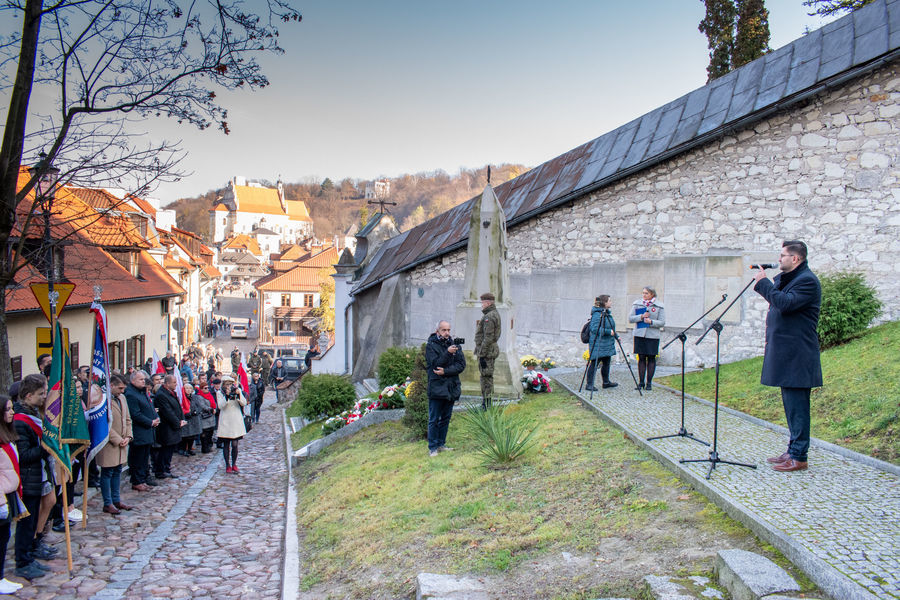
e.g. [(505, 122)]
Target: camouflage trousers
[(486, 372)]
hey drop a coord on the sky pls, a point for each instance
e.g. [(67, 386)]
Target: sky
[(368, 89)]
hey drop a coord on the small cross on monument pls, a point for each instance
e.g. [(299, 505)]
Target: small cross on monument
[(382, 202)]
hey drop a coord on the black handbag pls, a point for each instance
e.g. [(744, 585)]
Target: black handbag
[(248, 423)]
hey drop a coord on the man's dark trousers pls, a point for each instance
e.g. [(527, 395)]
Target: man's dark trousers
[(139, 463), (796, 410), (439, 412), (25, 531)]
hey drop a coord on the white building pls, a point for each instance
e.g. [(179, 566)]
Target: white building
[(246, 206), (380, 188)]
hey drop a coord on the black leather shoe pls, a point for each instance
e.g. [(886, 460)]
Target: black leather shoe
[(170, 476), (640, 386), (161, 475), (648, 387), (152, 482), (590, 388), (610, 384), (59, 527)]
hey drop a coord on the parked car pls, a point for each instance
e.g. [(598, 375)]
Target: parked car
[(293, 366), (238, 331)]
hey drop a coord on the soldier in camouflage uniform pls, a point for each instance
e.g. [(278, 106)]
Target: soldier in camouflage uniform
[(487, 333), (266, 365), (254, 363)]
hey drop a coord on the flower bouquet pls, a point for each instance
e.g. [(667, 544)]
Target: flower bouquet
[(530, 362), (547, 364), (392, 397), (536, 382), (332, 424)]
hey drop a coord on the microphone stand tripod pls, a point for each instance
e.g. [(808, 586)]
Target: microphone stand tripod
[(682, 432), (714, 459)]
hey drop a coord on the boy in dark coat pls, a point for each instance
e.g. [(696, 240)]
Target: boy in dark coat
[(791, 359)]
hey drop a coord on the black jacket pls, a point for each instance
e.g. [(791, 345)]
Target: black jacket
[(142, 415), (446, 386), (277, 375), (31, 453), (792, 343), (170, 416), (257, 390)]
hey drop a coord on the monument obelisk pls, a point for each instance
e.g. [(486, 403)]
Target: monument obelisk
[(486, 271)]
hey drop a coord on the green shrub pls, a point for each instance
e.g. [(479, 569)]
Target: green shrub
[(502, 433), (416, 415), (395, 365), (848, 307), (324, 395)]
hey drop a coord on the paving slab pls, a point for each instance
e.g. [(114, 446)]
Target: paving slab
[(749, 576), (839, 521)]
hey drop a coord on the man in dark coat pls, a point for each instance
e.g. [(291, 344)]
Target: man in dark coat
[(143, 421), (276, 378), (257, 393), (444, 362), (171, 420), (487, 333), (791, 359), (168, 362)]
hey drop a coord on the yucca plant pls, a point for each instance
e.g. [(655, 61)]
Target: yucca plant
[(502, 433)]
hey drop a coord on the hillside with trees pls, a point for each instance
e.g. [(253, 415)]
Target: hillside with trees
[(335, 206)]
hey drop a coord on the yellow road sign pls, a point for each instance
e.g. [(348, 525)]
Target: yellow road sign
[(41, 293), (44, 340)]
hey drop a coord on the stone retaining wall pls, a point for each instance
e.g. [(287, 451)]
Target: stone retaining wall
[(825, 172)]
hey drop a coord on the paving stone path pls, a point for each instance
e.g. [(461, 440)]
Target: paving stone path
[(839, 521), (205, 535)]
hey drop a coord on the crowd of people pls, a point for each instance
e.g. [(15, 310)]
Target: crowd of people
[(184, 409)]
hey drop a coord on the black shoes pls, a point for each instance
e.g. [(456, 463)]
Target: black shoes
[(590, 388), (30, 571), (610, 384), (640, 386), (648, 387)]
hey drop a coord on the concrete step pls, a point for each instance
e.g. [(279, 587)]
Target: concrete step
[(371, 385), (749, 576), (361, 391)]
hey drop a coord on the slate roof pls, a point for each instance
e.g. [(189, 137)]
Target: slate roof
[(846, 48)]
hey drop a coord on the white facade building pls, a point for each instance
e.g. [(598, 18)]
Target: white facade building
[(246, 206)]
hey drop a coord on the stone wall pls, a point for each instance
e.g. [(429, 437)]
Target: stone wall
[(825, 172)]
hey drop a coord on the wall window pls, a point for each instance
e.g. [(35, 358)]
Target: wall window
[(73, 355), (285, 299), (15, 364), (308, 300)]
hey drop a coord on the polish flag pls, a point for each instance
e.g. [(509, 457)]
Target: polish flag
[(156, 366), (243, 379), (181, 394)]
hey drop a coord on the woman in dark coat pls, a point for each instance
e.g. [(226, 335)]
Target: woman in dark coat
[(193, 429), (602, 345)]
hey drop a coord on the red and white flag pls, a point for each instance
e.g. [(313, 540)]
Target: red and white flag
[(243, 379), (156, 366), (182, 395)]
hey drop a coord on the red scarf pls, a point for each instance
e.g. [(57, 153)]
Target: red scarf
[(14, 459), (33, 422)]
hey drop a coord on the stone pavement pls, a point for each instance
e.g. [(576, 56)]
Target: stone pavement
[(839, 521), (205, 535)]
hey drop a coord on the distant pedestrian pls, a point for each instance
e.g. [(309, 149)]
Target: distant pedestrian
[(231, 422), (310, 355)]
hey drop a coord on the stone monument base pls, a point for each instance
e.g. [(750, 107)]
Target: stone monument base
[(507, 385)]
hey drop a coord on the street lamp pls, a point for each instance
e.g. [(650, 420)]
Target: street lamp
[(45, 191)]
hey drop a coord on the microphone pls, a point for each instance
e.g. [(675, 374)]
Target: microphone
[(764, 266)]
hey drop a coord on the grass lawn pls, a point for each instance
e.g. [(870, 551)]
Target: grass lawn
[(585, 513), (858, 407)]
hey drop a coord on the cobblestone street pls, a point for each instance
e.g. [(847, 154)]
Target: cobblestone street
[(205, 535), (840, 520)]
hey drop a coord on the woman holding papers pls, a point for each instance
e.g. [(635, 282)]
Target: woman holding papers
[(649, 317)]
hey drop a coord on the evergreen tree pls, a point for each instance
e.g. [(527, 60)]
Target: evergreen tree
[(752, 39), (718, 27), (826, 8)]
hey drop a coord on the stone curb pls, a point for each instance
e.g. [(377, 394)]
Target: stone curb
[(290, 574), (316, 446), (840, 450), (830, 580)]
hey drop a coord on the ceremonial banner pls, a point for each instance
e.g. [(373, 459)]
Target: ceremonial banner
[(73, 428), (56, 391), (98, 416)]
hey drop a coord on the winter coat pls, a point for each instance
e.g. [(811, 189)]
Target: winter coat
[(602, 342), (112, 454), (31, 453), (142, 415), (487, 333), (657, 319), (231, 417), (168, 433), (276, 377), (207, 412), (446, 386), (9, 479), (257, 391), (792, 344), (194, 426)]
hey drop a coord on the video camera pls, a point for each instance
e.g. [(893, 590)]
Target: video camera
[(459, 341)]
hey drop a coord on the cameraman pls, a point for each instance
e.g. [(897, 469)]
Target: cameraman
[(444, 362)]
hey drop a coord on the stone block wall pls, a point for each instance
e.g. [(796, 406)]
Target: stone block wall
[(825, 172)]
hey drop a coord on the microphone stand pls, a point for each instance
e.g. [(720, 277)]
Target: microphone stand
[(682, 337), (714, 459)]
